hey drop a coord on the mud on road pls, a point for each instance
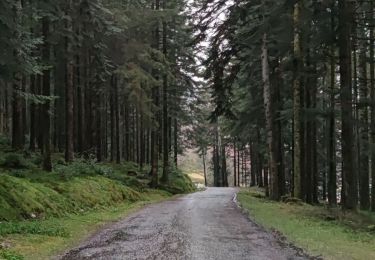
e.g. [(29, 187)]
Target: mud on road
[(204, 225)]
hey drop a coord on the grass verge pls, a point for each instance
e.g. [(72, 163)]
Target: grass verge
[(320, 231), (42, 239)]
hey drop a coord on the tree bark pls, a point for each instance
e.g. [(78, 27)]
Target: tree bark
[(363, 129), (69, 90), (117, 121), (17, 122), (297, 191), (204, 167), (32, 114), (372, 98), (175, 141), (331, 144), (113, 119), (46, 118), (349, 185), (234, 165), (270, 117), (165, 175), (224, 174), (155, 131)]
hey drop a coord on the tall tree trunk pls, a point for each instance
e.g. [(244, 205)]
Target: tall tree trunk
[(113, 119), (80, 71), (142, 142), (266, 177), (32, 114), (297, 191), (155, 131), (175, 141), (364, 129), (314, 160), (307, 179), (165, 176), (117, 120), (243, 165), (216, 157), (204, 167), (253, 164), (259, 160), (127, 132), (2, 108), (277, 132), (224, 175), (234, 165), (372, 98), (331, 144), (17, 122), (81, 108), (99, 129), (69, 90), (349, 185), (270, 117), (39, 130), (238, 167), (46, 118)]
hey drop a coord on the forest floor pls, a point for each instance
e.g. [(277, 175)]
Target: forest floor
[(42, 239), (42, 213), (330, 233), (203, 225)]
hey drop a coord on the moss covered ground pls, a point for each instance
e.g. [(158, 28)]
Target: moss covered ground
[(42, 212), (43, 239), (27, 192)]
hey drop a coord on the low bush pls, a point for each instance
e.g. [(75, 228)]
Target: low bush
[(178, 183), (14, 161), (82, 167), (4, 143)]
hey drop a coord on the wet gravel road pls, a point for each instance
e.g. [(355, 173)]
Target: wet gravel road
[(204, 225)]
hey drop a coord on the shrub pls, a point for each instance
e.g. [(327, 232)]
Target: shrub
[(178, 182), (4, 142), (135, 183), (15, 161), (82, 167), (36, 159)]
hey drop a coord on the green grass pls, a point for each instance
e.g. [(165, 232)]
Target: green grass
[(42, 239), (330, 233)]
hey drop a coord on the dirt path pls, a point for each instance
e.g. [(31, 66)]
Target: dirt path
[(204, 225)]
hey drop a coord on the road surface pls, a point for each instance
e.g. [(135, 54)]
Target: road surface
[(204, 225)]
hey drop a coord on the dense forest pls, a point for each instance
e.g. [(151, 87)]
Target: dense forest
[(102, 79), (293, 91), (107, 106), (278, 95)]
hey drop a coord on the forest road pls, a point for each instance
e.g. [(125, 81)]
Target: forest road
[(203, 225)]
